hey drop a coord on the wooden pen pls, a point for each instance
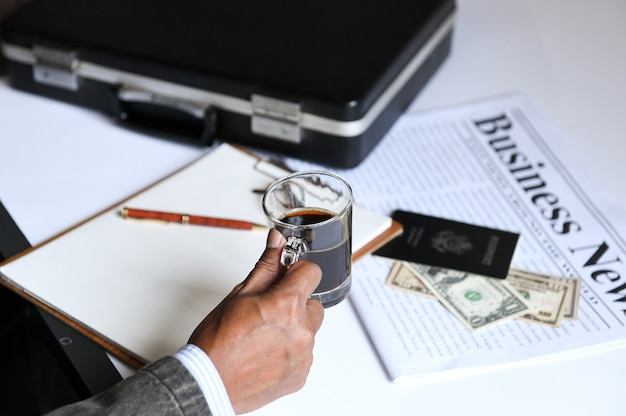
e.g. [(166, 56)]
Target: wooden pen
[(142, 214)]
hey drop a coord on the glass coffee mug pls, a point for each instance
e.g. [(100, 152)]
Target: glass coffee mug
[(313, 210)]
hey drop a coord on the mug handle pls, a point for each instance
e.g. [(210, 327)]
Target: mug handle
[(292, 251)]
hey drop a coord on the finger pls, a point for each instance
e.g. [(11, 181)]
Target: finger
[(303, 276), (268, 269), (316, 313)]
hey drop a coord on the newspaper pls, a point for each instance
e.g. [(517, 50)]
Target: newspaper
[(496, 163)]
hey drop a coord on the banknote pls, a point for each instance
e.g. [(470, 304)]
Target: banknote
[(402, 278), (547, 297), (477, 301), (572, 299)]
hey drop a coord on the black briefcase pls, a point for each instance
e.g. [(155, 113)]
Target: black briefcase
[(321, 80)]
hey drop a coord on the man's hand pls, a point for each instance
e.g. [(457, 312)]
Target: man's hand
[(260, 337)]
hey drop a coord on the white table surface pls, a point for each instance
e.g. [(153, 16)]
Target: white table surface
[(60, 164)]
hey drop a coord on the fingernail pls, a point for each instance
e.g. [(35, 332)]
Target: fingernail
[(274, 239)]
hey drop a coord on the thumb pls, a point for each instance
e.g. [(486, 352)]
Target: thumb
[(268, 269)]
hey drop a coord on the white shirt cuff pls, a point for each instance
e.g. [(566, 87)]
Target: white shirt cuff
[(206, 375)]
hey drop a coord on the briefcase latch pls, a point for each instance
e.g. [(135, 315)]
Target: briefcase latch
[(55, 67), (276, 118)]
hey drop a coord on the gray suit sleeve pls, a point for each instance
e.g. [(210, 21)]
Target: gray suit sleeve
[(164, 387)]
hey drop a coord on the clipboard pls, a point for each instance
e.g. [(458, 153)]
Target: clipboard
[(140, 288)]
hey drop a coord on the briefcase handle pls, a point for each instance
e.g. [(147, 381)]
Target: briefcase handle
[(164, 116)]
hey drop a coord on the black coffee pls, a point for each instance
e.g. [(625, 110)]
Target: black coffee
[(328, 245), (307, 217)]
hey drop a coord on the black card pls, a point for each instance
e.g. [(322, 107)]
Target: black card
[(452, 245)]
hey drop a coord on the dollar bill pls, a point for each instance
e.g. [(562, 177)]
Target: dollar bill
[(477, 301), (572, 299), (547, 297), (402, 278)]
